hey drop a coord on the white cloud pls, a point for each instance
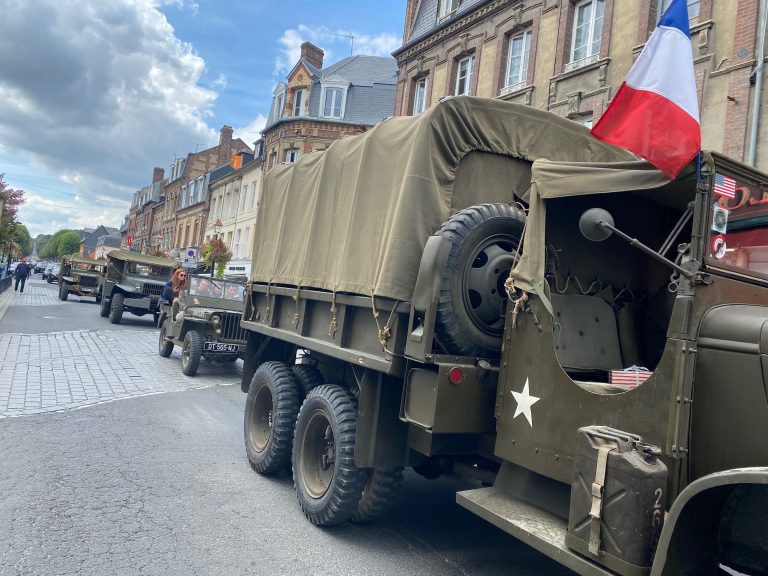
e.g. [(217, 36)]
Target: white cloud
[(250, 133), (97, 93), (331, 41), (221, 82)]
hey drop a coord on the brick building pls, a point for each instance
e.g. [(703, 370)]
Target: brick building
[(317, 105), (571, 56)]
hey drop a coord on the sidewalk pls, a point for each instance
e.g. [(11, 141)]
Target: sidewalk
[(57, 371)]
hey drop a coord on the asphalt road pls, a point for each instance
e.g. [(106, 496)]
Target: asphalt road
[(159, 485)]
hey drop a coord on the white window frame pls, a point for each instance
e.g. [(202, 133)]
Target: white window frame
[(292, 155), (420, 95), (447, 8), (692, 14), (468, 61), (243, 197), (279, 103), (245, 242), (252, 196), (298, 102), (520, 79), (236, 250), (589, 52), (342, 94)]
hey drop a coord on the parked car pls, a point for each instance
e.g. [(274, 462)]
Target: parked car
[(52, 273), (40, 267), (47, 270)]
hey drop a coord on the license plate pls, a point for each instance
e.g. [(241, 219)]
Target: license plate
[(220, 347)]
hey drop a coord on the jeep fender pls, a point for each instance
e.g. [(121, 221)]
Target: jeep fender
[(127, 288), (690, 540)]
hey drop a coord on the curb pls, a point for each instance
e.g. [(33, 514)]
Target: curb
[(6, 297)]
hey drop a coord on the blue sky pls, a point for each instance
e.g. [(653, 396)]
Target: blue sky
[(95, 94)]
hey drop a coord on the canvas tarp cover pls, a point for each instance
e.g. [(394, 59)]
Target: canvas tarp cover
[(356, 217), (142, 258), (551, 179)]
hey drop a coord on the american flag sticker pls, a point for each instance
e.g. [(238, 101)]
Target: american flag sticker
[(725, 186)]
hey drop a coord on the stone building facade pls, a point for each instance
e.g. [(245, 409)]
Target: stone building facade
[(571, 56)]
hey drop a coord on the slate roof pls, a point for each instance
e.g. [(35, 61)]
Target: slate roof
[(372, 83), (426, 20)]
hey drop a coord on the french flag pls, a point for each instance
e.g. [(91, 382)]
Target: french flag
[(655, 113)]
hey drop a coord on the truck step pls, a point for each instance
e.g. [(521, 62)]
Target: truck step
[(538, 528)]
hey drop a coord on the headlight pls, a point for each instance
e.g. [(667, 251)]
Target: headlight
[(216, 319)]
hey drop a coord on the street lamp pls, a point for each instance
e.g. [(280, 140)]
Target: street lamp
[(216, 230)]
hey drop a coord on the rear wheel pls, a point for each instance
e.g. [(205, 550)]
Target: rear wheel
[(103, 307), (379, 494), (308, 376), (63, 291), (165, 348), (116, 306), (327, 482), (270, 415), (191, 351), (472, 299)]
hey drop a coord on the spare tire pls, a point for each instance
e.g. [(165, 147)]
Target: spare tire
[(472, 300)]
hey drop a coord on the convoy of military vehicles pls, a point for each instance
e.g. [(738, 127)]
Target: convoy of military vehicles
[(486, 290)]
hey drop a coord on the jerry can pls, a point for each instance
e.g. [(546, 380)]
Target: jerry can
[(617, 499)]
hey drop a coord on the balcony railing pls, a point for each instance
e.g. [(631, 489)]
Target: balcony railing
[(581, 63), (512, 88)]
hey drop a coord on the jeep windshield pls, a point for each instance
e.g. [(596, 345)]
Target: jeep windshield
[(214, 288), (148, 270)]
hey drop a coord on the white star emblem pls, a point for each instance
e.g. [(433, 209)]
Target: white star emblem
[(524, 402)]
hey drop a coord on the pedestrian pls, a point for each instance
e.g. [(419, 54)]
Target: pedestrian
[(21, 273)]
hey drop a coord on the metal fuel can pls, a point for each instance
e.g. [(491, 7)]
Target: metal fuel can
[(618, 498)]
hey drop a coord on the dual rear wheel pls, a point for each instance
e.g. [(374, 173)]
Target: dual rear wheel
[(316, 439)]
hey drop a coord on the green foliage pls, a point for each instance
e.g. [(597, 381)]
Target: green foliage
[(42, 240), (63, 243), (22, 239), (216, 252), (10, 200)]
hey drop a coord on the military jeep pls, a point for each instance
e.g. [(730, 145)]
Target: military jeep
[(205, 322), (133, 282), (80, 276)]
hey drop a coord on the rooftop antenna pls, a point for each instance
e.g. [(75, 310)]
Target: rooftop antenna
[(351, 40)]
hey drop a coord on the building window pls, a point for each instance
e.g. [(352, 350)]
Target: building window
[(587, 31), (252, 196), (246, 247), (584, 121), (298, 102), (464, 76), (448, 7), (420, 96), (693, 9), (332, 102), (278, 112), (291, 155), (519, 52), (236, 251)]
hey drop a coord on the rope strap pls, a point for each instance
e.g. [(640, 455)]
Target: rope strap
[(334, 324)]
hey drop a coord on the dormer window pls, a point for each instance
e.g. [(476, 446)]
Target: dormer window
[(333, 102), (448, 7), (277, 113)]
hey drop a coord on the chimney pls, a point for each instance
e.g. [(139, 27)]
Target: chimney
[(312, 54), (157, 175), (225, 144)]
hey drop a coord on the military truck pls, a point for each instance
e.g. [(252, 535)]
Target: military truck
[(604, 379), (205, 322), (80, 276), (133, 282)]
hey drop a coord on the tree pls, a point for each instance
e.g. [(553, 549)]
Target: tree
[(62, 243), (11, 199), (22, 239), (216, 253)]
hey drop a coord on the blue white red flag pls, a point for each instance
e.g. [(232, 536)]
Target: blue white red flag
[(655, 112), (725, 186)]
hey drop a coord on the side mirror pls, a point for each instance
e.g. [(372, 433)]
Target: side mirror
[(596, 224)]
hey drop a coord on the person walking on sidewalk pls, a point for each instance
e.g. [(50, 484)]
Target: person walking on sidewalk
[(21, 273)]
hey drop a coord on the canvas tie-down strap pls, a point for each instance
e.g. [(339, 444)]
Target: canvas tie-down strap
[(597, 498)]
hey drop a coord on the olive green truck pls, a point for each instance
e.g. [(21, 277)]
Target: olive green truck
[(486, 290)]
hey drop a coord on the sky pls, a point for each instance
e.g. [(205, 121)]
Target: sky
[(95, 94)]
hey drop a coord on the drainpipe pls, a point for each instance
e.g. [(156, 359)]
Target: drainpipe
[(758, 85)]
